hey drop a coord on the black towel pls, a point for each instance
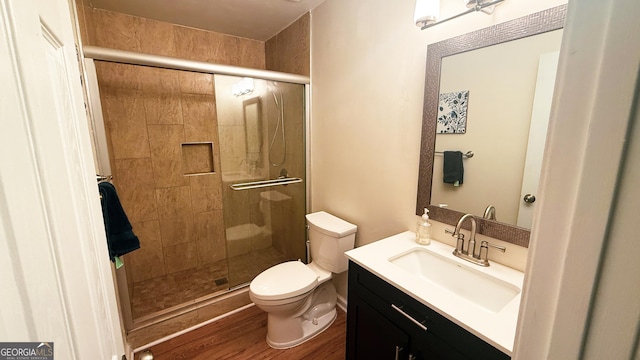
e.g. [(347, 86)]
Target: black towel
[(120, 237), (452, 168)]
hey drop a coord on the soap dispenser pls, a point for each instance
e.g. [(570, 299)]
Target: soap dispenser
[(423, 231)]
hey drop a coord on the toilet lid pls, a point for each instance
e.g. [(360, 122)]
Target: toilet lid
[(283, 281)]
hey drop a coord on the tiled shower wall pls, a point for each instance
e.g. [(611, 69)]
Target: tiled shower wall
[(290, 50), (123, 32), (179, 219), (148, 114), (287, 215), (279, 210)]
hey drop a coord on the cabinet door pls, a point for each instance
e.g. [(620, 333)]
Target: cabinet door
[(373, 336), (428, 347)]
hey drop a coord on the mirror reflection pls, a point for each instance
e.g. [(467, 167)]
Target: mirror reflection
[(510, 86), (495, 103), (253, 129)]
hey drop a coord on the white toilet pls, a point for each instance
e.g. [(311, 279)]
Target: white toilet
[(300, 299)]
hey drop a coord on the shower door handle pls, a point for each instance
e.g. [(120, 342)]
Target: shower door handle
[(264, 183)]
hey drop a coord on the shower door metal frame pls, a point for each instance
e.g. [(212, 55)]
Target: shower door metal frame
[(98, 131), (92, 53), (167, 62)]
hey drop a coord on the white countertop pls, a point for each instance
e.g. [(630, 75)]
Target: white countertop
[(497, 329)]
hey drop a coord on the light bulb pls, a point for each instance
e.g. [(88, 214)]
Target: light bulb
[(427, 12)]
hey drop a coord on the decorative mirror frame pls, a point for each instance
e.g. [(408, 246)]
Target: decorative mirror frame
[(533, 24)]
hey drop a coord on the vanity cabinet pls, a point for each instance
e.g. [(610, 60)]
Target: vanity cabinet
[(385, 323)]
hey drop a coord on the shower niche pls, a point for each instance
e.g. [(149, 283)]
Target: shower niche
[(197, 158)]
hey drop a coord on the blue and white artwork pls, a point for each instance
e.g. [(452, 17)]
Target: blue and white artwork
[(452, 113)]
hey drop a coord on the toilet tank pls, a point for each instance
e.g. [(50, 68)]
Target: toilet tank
[(330, 237)]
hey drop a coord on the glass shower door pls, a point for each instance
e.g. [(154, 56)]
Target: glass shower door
[(262, 151)]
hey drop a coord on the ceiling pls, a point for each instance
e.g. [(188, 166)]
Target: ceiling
[(253, 19)]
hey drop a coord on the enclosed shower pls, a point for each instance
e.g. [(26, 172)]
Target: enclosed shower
[(264, 200), (211, 171)]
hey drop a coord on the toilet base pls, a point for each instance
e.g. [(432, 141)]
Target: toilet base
[(309, 330)]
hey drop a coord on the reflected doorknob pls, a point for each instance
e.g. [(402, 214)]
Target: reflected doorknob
[(529, 199)]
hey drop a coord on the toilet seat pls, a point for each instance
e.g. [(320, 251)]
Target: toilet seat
[(269, 284)]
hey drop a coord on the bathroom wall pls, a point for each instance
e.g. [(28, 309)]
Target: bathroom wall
[(288, 204), (281, 208), (124, 32), (148, 113), (243, 218), (368, 82), (289, 50)]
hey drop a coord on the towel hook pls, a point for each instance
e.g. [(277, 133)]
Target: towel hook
[(103, 178)]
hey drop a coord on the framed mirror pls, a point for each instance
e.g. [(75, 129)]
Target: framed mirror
[(464, 63)]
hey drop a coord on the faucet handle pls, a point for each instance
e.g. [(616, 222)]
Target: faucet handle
[(486, 243), (459, 242), (484, 250), (450, 232)]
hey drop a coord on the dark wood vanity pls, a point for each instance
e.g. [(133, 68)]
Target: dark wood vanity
[(385, 323)]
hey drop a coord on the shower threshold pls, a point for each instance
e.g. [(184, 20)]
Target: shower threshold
[(186, 307)]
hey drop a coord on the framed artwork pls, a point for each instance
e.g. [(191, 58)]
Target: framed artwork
[(452, 112)]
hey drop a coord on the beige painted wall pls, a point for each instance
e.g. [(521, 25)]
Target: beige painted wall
[(367, 71)]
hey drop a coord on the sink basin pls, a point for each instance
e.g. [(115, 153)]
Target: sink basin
[(471, 284), (483, 300)]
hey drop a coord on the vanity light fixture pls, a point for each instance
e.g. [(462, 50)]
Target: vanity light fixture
[(427, 11)]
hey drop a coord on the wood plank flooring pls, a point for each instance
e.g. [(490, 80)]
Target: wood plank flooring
[(242, 336)]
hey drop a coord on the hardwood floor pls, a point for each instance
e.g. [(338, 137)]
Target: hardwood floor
[(242, 336)]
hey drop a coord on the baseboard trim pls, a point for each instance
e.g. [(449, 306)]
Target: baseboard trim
[(342, 303)]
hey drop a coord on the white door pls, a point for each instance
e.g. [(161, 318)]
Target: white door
[(55, 272), (540, 113)]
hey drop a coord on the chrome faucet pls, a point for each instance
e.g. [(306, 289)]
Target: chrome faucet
[(471, 247), (469, 253), (490, 213)]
